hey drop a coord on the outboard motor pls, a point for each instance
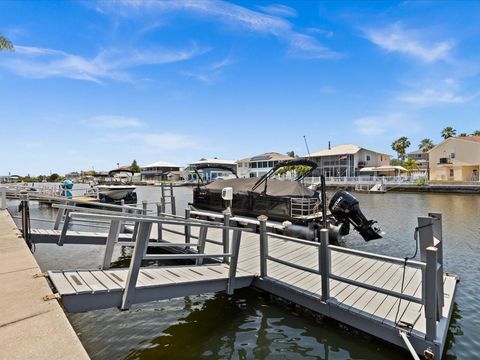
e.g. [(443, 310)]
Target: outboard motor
[(346, 210)]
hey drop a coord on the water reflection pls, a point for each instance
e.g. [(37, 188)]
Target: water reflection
[(250, 325)]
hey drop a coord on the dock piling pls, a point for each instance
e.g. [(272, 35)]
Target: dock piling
[(232, 271), (431, 297), (202, 237), (263, 244), (159, 224), (226, 234), (187, 226), (324, 258)]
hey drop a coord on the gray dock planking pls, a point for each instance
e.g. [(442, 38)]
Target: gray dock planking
[(84, 290), (374, 312)]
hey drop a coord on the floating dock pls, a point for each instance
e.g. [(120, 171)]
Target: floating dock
[(406, 303)]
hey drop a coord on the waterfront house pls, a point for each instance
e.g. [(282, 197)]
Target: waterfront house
[(218, 168), (351, 160), (421, 159), (259, 165), (158, 171), (455, 159)]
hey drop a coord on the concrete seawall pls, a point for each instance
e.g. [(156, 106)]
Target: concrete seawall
[(458, 189), (30, 328)]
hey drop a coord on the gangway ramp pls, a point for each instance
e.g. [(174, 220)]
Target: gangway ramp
[(83, 290)]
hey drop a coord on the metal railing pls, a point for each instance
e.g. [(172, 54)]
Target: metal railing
[(141, 242), (431, 265), (369, 180)]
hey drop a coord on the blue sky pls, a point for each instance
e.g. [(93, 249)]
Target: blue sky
[(96, 83)]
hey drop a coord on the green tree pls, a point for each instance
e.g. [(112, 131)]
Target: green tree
[(448, 132), (134, 167), (5, 44), (476, 133), (297, 170), (410, 164), (463, 135), (400, 146), (291, 154), (426, 145), (54, 177)]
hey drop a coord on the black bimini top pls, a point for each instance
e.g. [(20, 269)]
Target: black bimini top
[(275, 187)]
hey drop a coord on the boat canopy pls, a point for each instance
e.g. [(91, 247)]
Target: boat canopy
[(275, 187)]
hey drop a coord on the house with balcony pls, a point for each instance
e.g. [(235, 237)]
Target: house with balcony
[(259, 165), (455, 159), (159, 171), (421, 159), (351, 160), (217, 168)]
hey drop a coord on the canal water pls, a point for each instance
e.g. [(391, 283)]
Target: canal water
[(250, 324)]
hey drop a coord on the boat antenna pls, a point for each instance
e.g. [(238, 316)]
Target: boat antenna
[(306, 145)]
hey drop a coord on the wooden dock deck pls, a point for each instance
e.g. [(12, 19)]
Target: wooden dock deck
[(408, 304)]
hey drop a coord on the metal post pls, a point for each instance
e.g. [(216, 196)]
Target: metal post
[(324, 201), (226, 234), (324, 258), (63, 232), (25, 219), (162, 200), (3, 202), (141, 242), (172, 201), (430, 299), (202, 237), (112, 238), (187, 227), (438, 235), (263, 244), (425, 236), (159, 224), (124, 211), (144, 207), (58, 219), (232, 271)]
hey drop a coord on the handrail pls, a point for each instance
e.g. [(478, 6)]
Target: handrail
[(295, 240), (391, 259), (156, 220)]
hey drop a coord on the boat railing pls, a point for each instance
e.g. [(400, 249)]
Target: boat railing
[(429, 239), (304, 206)]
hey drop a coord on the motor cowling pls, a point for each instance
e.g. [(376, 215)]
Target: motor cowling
[(345, 209)]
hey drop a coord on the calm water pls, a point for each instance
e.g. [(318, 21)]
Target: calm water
[(250, 325)]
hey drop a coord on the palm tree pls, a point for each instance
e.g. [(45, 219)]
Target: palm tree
[(448, 132), (476, 133), (400, 146), (410, 164), (463, 135), (5, 44), (426, 145)]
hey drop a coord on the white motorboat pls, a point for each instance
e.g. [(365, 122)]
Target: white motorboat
[(116, 192), (114, 187)]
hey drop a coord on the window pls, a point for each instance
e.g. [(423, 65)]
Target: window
[(452, 173), (452, 155), (368, 157), (270, 164)]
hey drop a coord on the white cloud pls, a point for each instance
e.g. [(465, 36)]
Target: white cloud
[(36, 62), (390, 123), (112, 122), (232, 15), (211, 73), (429, 97), (160, 141), (279, 10), (409, 42)]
